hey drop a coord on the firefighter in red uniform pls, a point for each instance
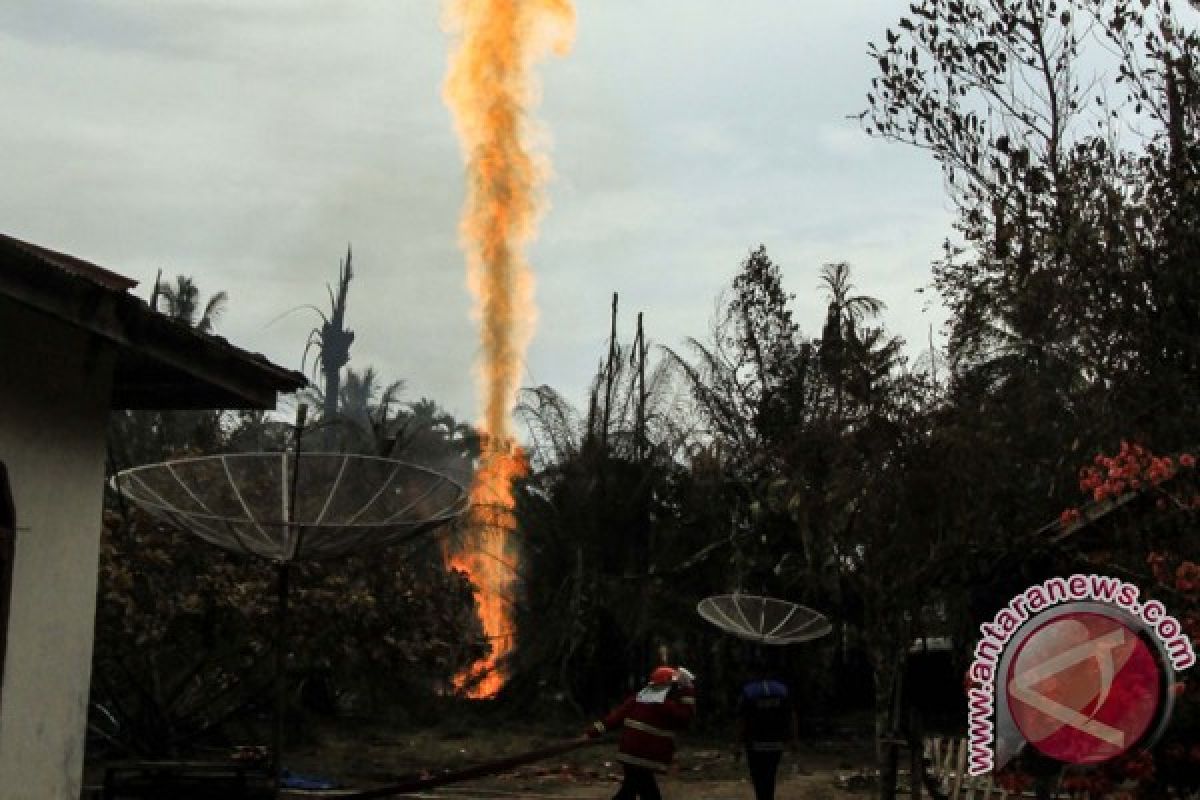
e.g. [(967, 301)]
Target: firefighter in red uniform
[(648, 721)]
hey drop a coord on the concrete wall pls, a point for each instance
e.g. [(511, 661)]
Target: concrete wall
[(55, 384)]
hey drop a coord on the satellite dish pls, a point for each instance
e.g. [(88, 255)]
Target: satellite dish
[(287, 507), (765, 620), (290, 506)]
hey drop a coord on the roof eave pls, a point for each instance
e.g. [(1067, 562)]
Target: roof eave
[(240, 380)]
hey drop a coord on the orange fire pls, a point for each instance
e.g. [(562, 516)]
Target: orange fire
[(489, 88), (490, 562)]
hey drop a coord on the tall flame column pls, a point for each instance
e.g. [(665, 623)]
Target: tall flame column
[(489, 89)]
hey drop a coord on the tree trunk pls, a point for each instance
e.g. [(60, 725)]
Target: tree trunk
[(887, 753), (916, 751), (333, 388)]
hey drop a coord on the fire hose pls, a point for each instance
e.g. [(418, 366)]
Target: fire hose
[(471, 773)]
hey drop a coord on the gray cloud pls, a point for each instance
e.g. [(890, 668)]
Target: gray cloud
[(245, 143)]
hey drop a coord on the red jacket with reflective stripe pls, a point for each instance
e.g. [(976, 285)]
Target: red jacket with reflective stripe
[(648, 729)]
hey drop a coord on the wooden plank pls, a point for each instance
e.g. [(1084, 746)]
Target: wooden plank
[(935, 758), (970, 784), (928, 751), (960, 767), (916, 770), (948, 763)]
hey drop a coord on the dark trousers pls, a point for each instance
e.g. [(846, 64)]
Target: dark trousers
[(639, 782), (763, 766)]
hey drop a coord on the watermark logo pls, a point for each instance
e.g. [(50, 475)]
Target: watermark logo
[(1084, 688), (1076, 667)]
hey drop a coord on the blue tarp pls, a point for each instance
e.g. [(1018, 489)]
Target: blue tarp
[(294, 780)]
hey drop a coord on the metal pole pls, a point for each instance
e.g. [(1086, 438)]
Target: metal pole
[(283, 571), (281, 640)]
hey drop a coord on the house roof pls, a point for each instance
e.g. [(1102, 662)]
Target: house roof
[(161, 363), (70, 264)]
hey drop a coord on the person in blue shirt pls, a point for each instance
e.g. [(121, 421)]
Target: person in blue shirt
[(766, 724)]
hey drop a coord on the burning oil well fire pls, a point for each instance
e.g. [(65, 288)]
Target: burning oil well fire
[(489, 89)]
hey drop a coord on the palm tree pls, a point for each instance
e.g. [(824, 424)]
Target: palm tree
[(424, 433), (183, 302), (365, 404), (843, 317), (845, 309), (138, 437)]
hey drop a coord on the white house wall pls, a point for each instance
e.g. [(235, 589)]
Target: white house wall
[(55, 385)]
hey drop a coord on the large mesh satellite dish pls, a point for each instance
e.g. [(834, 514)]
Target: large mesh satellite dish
[(765, 620), (286, 507), (293, 505)]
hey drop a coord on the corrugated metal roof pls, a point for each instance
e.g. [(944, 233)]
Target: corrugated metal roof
[(162, 363)]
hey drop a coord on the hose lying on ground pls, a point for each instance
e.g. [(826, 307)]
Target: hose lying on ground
[(471, 773)]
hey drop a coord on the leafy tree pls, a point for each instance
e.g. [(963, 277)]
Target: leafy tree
[(185, 634), (829, 477), (1072, 190), (1066, 132), (749, 377)]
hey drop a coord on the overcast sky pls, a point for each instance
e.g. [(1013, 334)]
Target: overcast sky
[(245, 142)]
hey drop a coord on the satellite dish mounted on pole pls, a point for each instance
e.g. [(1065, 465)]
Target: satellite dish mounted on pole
[(292, 506)]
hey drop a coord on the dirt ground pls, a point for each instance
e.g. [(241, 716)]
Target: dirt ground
[(820, 785), (360, 754), (705, 768), (817, 785), (814, 787)]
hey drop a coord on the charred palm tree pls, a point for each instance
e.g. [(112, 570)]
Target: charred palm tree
[(333, 339)]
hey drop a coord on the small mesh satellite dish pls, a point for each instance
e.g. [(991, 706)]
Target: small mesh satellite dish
[(765, 620)]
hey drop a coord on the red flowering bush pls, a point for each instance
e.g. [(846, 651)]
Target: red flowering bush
[(1133, 468), (1070, 516)]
